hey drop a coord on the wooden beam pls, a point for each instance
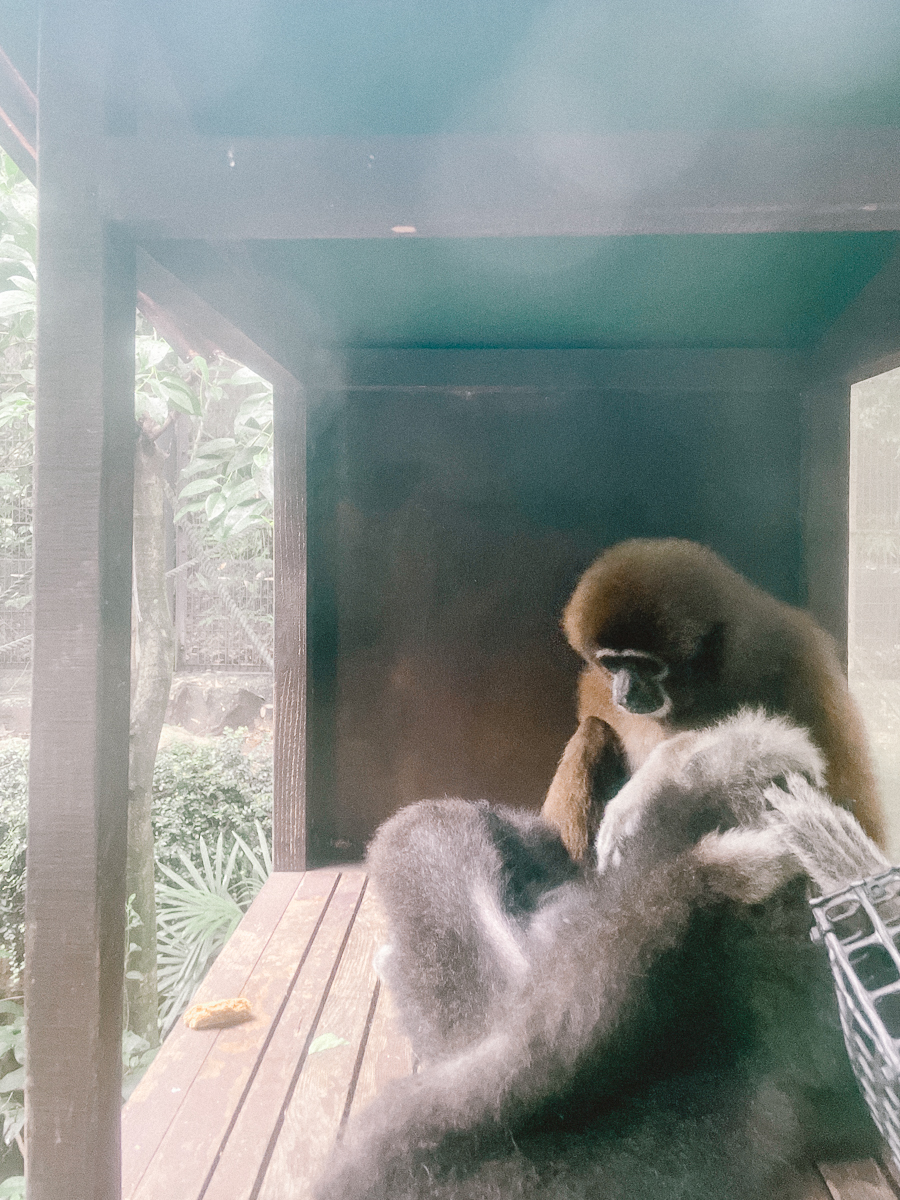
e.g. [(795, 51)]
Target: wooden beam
[(289, 816), (658, 371), (198, 321), (717, 181), (865, 339), (255, 318), (75, 908)]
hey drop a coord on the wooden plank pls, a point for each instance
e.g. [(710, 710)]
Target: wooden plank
[(315, 1108), (388, 1053), (289, 832), (82, 633), (243, 1154), (155, 1102), (182, 1161), (637, 182), (804, 1183), (862, 1180), (891, 1169)]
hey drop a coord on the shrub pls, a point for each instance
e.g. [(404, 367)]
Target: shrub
[(203, 790), (13, 813), (199, 792)]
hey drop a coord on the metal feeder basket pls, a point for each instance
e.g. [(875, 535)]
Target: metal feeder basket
[(860, 927)]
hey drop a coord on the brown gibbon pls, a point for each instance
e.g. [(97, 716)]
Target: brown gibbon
[(674, 639)]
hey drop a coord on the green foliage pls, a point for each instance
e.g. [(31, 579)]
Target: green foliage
[(13, 813), (137, 1055), (197, 911), (18, 210), (200, 791), (229, 479), (12, 1069)]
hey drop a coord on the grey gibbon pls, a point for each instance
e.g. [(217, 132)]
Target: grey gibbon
[(660, 1025)]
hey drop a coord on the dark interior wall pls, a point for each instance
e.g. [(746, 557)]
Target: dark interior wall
[(447, 529)]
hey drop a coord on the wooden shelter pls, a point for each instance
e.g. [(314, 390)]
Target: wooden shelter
[(528, 276)]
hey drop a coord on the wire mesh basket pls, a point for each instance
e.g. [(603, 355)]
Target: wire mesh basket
[(860, 927)]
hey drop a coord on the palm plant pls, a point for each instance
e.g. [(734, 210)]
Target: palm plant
[(197, 912)]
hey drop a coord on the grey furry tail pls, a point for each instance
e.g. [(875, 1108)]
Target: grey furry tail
[(827, 841)]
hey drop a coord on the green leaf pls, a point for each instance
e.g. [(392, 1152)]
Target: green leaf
[(242, 493), (215, 506), (240, 520), (197, 487), (150, 350), (15, 302), (190, 406), (14, 1081), (326, 1041), (194, 467), (194, 507), (216, 447)]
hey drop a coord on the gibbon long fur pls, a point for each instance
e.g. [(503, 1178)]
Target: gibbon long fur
[(662, 1028), (674, 639)]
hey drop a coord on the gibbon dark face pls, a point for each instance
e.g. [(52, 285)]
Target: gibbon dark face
[(637, 681)]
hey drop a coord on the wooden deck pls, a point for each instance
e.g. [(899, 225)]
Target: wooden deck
[(250, 1113)]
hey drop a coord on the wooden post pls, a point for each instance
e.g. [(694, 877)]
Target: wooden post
[(826, 499), (82, 613), (289, 817)]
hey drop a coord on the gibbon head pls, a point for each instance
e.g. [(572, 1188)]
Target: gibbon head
[(656, 616)]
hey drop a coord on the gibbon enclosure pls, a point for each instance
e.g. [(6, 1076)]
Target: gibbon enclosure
[(528, 277)]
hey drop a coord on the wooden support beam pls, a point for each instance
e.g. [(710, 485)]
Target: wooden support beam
[(199, 323), (658, 371), (75, 910), (865, 339), (675, 181), (289, 816)]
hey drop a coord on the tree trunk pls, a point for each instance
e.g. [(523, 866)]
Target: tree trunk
[(153, 649)]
